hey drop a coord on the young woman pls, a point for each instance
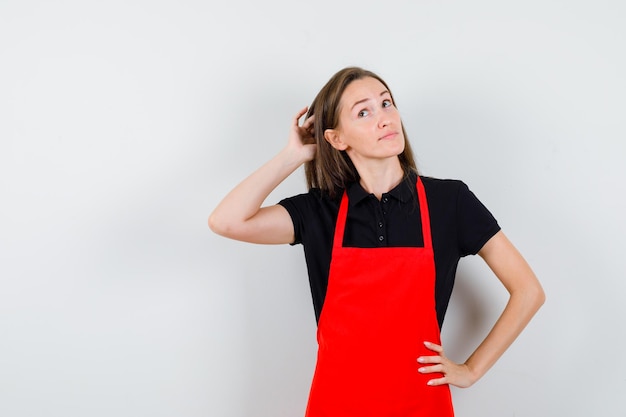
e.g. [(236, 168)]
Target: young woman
[(382, 246)]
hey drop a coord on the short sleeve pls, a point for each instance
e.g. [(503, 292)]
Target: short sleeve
[(476, 224), (296, 206)]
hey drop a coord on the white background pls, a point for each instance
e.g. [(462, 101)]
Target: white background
[(123, 123)]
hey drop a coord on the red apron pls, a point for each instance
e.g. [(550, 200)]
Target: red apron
[(378, 311)]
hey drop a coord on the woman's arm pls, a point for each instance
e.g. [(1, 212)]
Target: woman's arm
[(526, 296), (240, 216)]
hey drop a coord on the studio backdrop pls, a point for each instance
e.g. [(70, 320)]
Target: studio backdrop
[(123, 124)]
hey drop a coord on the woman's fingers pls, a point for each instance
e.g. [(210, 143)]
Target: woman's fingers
[(438, 368), (431, 369), (439, 358), (301, 141), (308, 123), (441, 364), (438, 381), (296, 120), (453, 373), (430, 359), (434, 347)]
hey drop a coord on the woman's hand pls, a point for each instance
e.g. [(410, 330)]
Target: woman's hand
[(301, 143), (526, 296), (453, 373)]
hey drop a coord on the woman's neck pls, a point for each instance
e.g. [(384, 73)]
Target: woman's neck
[(380, 178)]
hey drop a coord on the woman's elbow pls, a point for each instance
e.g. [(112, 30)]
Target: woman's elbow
[(537, 295), (228, 227), (530, 294), (218, 226), (541, 296)]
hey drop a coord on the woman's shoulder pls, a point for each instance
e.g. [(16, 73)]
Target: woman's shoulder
[(450, 192), (443, 186), (442, 182)]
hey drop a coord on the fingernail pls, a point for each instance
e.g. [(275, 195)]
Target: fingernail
[(421, 370), (420, 360)]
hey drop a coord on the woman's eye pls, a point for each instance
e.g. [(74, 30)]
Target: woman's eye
[(363, 113), (387, 103)]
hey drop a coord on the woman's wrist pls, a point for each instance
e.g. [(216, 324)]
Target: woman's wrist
[(291, 158)]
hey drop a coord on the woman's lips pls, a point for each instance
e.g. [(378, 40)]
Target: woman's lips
[(389, 135)]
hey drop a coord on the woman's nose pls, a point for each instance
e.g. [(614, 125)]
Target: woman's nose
[(383, 120)]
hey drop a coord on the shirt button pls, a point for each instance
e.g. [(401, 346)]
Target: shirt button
[(380, 224), (385, 199), (381, 238)]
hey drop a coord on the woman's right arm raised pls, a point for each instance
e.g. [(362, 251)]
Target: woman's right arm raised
[(240, 215)]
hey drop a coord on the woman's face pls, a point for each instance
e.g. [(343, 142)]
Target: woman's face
[(369, 123)]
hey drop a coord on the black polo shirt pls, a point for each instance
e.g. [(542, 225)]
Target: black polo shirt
[(460, 226)]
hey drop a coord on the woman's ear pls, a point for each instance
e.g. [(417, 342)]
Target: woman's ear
[(332, 136)]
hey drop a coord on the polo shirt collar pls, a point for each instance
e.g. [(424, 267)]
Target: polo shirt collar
[(402, 192)]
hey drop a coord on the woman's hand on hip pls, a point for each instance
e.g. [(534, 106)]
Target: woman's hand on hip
[(459, 375)]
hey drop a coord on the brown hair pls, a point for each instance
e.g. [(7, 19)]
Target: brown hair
[(331, 170)]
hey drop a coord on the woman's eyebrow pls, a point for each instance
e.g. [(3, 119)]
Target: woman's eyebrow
[(365, 99)]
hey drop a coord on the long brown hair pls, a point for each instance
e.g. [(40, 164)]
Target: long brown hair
[(331, 170)]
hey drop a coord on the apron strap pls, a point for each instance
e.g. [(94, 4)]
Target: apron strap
[(421, 195), (341, 221)]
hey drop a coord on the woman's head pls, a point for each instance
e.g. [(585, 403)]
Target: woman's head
[(332, 168)]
